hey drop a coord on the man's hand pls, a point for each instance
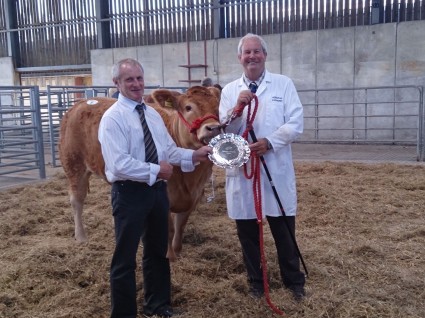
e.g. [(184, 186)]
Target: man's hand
[(244, 99), (260, 147), (201, 154), (165, 170)]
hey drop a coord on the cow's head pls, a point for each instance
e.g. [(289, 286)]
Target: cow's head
[(193, 116)]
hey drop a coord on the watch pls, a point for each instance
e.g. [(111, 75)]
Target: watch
[(269, 144)]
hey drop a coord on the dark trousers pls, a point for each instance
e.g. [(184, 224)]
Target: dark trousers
[(289, 262), (140, 213)]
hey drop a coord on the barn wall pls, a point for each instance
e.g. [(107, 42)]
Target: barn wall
[(376, 55)]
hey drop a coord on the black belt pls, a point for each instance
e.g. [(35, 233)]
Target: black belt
[(130, 183)]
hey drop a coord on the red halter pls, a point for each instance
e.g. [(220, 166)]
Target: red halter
[(196, 124)]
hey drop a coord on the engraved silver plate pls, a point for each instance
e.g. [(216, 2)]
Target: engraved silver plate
[(229, 150)]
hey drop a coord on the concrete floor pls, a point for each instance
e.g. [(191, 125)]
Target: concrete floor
[(358, 153)]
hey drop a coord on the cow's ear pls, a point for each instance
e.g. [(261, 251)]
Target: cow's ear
[(215, 91), (148, 99), (165, 98)]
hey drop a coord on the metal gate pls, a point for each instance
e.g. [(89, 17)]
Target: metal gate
[(57, 100), (386, 115), (21, 138), (30, 119)]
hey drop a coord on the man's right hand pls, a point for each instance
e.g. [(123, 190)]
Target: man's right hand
[(244, 99), (165, 170)]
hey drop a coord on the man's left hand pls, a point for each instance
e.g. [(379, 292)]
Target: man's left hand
[(201, 154), (260, 147)]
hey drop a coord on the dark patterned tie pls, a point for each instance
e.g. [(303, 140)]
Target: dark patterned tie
[(253, 87), (150, 148)]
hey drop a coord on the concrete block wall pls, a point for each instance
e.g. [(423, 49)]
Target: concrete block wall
[(377, 55), (8, 76)]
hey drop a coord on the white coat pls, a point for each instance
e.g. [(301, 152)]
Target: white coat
[(279, 119)]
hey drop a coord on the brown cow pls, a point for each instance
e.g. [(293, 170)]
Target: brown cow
[(191, 120)]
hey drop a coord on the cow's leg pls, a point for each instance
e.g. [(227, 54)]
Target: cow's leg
[(170, 252), (78, 193), (180, 221)]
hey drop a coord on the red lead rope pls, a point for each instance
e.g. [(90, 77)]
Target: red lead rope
[(256, 188)]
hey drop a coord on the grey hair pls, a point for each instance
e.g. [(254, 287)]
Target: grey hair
[(117, 66), (252, 36)]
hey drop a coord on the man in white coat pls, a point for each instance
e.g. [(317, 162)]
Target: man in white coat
[(278, 122)]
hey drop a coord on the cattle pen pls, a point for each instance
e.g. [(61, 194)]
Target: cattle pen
[(388, 118)]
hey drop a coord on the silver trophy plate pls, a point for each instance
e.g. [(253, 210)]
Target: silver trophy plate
[(229, 150)]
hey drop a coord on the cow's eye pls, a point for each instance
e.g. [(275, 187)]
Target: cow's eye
[(188, 108)]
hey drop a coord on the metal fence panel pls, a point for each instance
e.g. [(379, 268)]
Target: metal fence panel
[(30, 120), (365, 115), (21, 138)]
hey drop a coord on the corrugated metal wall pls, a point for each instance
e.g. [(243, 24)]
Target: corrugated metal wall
[(56, 33), (3, 34)]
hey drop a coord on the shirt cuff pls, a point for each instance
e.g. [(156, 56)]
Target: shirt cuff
[(153, 173), (187, 161)]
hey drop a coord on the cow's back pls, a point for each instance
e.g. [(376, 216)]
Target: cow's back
[(79, 146)]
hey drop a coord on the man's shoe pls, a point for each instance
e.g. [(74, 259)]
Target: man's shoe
[(298, 292), (162, 313), (256, 293)]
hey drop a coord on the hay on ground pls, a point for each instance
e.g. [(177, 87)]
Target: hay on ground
[(361, 230)]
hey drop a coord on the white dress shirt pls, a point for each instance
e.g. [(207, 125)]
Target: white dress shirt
[(122, 143)]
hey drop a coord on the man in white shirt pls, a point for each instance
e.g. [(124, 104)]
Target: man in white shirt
[(139, 193)]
